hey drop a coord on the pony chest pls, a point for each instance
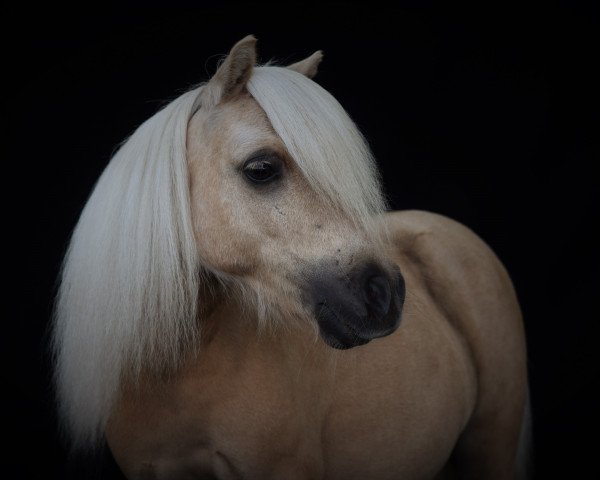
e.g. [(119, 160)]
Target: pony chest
[(250, 420)]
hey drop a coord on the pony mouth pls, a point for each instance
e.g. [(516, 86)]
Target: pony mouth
[(336, 331)]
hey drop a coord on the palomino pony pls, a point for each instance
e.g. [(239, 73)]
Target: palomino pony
[(236, 304)]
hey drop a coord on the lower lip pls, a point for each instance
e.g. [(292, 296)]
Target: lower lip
[(343, 343), (345, 336)]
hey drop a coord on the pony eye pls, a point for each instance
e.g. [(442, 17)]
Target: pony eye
[(262, 169)]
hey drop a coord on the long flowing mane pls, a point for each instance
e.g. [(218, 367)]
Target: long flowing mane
[(128, 297)]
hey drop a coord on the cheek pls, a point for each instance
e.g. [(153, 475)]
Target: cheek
[(223, 251), (224, 242)]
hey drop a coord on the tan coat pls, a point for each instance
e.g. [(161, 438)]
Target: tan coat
[(445, 393)]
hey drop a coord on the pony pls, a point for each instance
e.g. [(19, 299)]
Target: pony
[(237, 301)]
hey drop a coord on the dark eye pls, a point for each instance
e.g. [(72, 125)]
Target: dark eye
[(262, 168)]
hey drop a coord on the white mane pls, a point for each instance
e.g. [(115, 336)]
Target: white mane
[(321, 138), (129, 283)]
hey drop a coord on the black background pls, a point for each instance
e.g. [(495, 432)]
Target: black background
[(489, 116)]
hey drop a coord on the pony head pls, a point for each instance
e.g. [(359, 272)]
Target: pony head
[(284, 193), (255, 188)]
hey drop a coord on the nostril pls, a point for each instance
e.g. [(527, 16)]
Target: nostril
[(378, 295)]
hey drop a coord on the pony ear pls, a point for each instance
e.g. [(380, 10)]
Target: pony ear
[(309, 65), (233, 74)]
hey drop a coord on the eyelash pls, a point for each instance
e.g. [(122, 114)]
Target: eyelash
[(262, 168)]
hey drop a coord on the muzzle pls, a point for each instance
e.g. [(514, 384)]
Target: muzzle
[(354, 309)]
